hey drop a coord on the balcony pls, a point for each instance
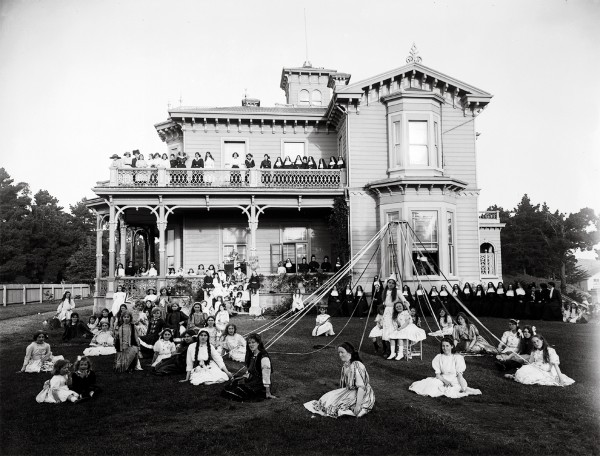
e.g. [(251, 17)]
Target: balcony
[(225, 178), (491, 216)]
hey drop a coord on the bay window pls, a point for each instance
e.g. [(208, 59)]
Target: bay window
[(425, 248)]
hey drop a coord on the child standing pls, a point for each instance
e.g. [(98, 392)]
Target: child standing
[(377, 331), (323, 323)]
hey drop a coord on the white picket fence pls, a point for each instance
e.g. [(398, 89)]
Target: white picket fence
[(40, 292)]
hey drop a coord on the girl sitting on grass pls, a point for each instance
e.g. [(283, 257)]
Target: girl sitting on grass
[(93, 324), (222, 317), (56, 390), (102, 343), (233, 344), (297, 301), (164, 347), (76, 329), (84, 379), (446, 324), (323, 323), (38, 356)]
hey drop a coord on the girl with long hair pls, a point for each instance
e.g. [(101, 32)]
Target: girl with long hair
[(204, 364)]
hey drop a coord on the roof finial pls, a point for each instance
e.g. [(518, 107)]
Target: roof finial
[(307, 63), (414, 55)]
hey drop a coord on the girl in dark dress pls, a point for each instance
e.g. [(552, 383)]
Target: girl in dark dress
[(176, 319), (84, 379), (76, 329), (155, 326), (266, 163), (197, 162), (176, 364), (266, 178), (326, 265), (256, 383)]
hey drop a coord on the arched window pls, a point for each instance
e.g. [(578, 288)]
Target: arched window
[(317, 98), (303, 98), (486, 247)]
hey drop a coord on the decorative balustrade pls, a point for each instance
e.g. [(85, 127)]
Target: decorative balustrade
[(102, 287), (490, 215), (487, 264), (229, 178), (137, 287)]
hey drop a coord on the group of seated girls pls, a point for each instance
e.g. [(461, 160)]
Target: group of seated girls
[(486, 300)]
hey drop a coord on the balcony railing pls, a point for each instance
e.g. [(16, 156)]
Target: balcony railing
[(225, 178), (487, 264), (493, 216)]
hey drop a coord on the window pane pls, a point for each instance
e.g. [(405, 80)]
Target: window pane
[(425, 226), (397, 138), (417, 155), (292, 149), (295, 234), (417, 137), (234, 235), (316, 98), (303, 98)]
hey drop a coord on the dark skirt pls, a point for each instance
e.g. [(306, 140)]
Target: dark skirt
[(244, 390), (172, 365), (126, 360), (508, 307)]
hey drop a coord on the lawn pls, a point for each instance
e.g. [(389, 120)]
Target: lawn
[(140, 413)]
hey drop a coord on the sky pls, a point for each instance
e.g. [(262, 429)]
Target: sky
[(81, 80)]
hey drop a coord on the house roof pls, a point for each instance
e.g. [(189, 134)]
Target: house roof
[(472, 90), (189, 111)]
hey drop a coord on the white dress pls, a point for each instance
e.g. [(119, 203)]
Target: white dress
[(297, 303), (164, 349), (65, 309), (411, 332), (206, 372), (447, 328), (377, 331), (538, 372), (324, 326), (511, 342), (118, 299), (448, 366), (221, 320), (38, 358), (102, 343), (236, 346), (255, 309), (55, 390)]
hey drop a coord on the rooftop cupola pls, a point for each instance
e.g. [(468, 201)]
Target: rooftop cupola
[(307, 85)]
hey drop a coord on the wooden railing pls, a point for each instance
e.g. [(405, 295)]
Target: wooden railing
[(487, 264), (490, 215), (40, 292), (229, 178)]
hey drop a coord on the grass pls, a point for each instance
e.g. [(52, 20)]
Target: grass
[(139, 413)]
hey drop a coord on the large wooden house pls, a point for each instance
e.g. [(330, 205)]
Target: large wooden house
[(407, 137)]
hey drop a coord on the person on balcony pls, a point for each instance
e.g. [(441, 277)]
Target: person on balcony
[(136, 157), (322, 164), (200, 271), (130, 269), (303, 267), (249, 162), (290, 268), (142, 176), (298, 162), (332, 163), (266, 163), (340, 163), (152, 272), (313, 266), (164, 161), (126, 160), (181, 159), (338, 264), (311, 163), (153, 160), (173, 161), (197, 163), (116, 161), (287, 163), (278, 163), (326, 265)]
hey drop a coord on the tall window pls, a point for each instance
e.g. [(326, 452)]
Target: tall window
[(450, 221), (234, 152), (294, 247), (425, 252), (392, 243), (317, 98), (234, 244), (398, 142), (418, 153), (303, 98)]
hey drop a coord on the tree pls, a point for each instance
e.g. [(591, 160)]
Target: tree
[(15, 208), (338, 224)]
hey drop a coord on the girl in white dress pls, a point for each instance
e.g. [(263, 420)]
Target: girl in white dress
[(377, 331), (38, 356), (65, 308), (93, 324), (446, 324), (212, 331), (405, 330), (543, 367), (56, 390), (323, 324), (297, 301), (255, 309), (204, 365), (390, 298), (222, 317), (102, 343), (511, 341), (448, 381), (164, 347), (233, 344)]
